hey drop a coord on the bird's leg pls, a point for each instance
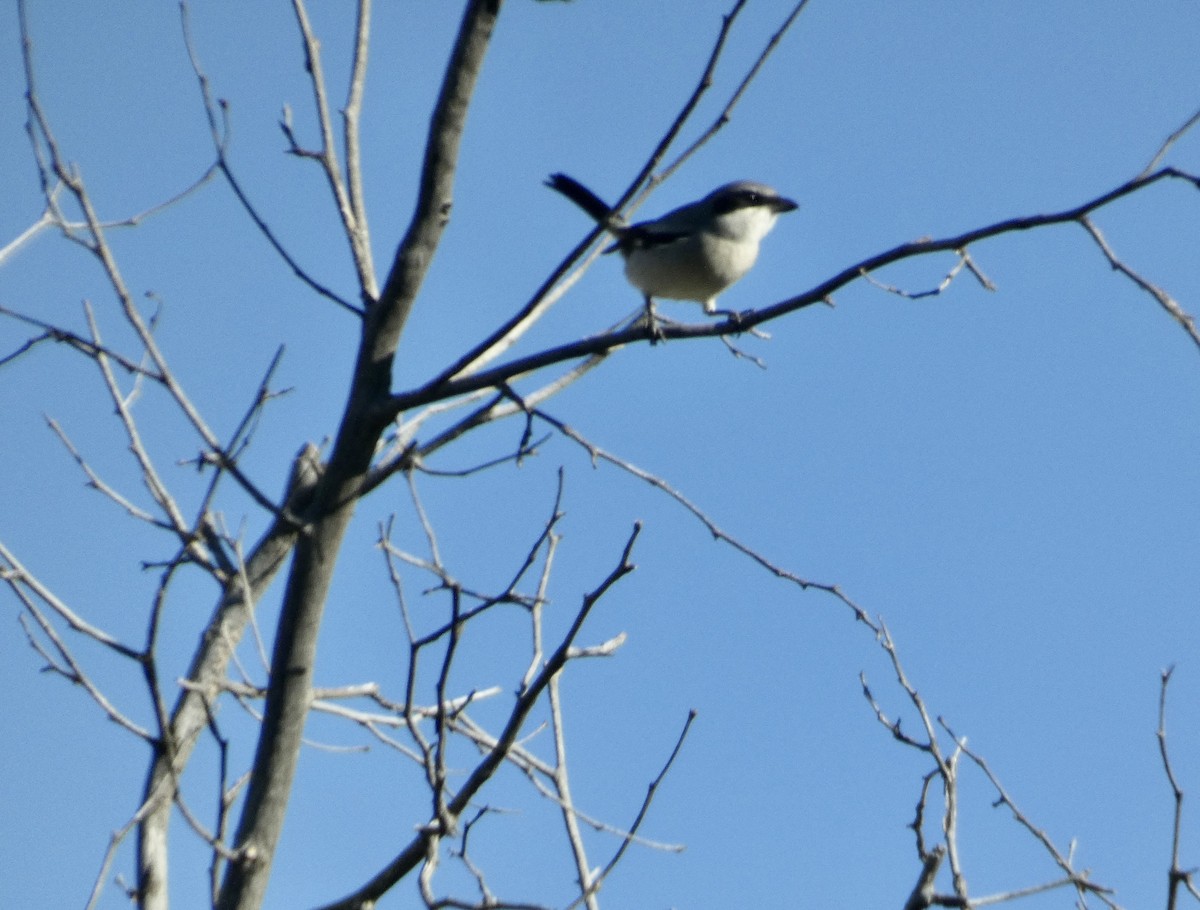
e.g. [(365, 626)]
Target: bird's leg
[(656, 333), (734, 316)]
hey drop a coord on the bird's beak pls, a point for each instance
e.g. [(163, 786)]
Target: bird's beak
[(783, 204)]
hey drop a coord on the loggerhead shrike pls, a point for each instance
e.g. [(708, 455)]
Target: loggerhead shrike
[(694, 252)]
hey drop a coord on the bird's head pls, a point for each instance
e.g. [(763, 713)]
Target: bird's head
[(746, 210)]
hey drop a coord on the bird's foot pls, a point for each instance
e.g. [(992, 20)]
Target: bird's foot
[(653, 323), (733, 317)]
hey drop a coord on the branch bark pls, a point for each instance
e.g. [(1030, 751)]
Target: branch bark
[(206, 674), (364, 419)]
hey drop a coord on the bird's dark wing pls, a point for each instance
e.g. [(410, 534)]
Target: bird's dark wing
[(644, 237)]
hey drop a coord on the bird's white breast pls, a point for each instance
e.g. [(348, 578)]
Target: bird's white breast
[(698, 267)]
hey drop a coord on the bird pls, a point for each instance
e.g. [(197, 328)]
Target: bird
[(694, 252)]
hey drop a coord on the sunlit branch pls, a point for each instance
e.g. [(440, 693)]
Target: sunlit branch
[(52, 215), (438, 167), (351, 137), (419, 849), (562, 785), (193, 711), (219, 130), (349, 202), (964, 261), (726, 112), (85, 346), (1161, 154), (500, 405), (651, 790), (63, 663), (1079, 880), (150, 476), (18, 577), (114, 843), (1168, 303), (598, 454), (1176, 876)]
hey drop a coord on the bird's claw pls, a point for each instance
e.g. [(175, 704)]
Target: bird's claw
[(653, 323), (732, 317)]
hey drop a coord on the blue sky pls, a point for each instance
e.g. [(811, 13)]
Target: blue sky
[(1009, 478)]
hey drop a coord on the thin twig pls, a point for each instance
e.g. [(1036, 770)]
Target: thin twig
[(17, 576), (1164, 299), (220, 133), (350, 115), (726, 112), (1079, 880), (1161, 154), (562, 786), (420, 850), (599, 454), (651, 790), (350, 207), (150, 476), (85, 346), (1175, 876), (964, 261), (70, 669), (52, 215)]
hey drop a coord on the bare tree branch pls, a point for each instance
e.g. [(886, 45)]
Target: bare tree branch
[(52, 215), (18, 578), (350, 115), (442, 389), (312, 517), (964, 261), (53, 161), (1176, 876), (922, 893), (349, 201), (562, 785), (1078, 879), (219, 130), (64, 663), (85, 346), (727, 111), (599, 454), (551, 290), (418, 850), (288, 697), (192, 712), (441, 155), (1161, 154), (651, 790), (1187, 322)]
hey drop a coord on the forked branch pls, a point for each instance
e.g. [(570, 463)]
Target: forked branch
[(418, 850)]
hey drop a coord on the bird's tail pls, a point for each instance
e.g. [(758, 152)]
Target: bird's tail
[(582, 197)]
